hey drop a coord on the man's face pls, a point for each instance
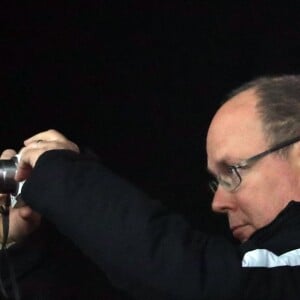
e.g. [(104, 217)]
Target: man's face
[(267, 186)]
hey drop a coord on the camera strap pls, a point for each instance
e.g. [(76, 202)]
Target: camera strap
[(4, 255)]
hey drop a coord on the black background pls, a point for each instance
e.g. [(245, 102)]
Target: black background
[(138, 81)]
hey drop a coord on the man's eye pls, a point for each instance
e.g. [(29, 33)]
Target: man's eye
[(229, 170)]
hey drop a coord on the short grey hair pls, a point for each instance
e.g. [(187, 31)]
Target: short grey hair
[(278, 105)]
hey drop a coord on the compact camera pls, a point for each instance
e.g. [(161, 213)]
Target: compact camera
[(8, 184)]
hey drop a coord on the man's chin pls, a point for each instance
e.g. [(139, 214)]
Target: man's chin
[(242, 233)]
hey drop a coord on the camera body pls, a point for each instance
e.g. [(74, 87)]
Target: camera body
[(8, 184)]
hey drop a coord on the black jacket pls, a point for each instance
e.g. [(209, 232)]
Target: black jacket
[(150, 252), (47, 266)]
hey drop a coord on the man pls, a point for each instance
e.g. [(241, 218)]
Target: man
[(242, 128), (253, 151)]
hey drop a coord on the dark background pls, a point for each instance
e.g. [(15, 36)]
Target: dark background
[(138, 81)]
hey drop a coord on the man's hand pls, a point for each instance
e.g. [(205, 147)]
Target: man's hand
[(23, 220), (36, 146)]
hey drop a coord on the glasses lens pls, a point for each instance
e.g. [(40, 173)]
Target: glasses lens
[(213, 185), (229, 181)]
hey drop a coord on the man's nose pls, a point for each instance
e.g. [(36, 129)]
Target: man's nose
[(223, 201)]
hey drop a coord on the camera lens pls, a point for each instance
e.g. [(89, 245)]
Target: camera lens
[(8, 168)]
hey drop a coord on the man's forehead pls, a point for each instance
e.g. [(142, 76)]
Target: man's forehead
[(235, 129), (237, 116)]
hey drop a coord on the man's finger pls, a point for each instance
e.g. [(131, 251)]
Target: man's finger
[(48, 135), (8, 153)]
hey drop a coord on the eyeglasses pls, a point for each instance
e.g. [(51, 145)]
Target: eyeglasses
[(231, 179)]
